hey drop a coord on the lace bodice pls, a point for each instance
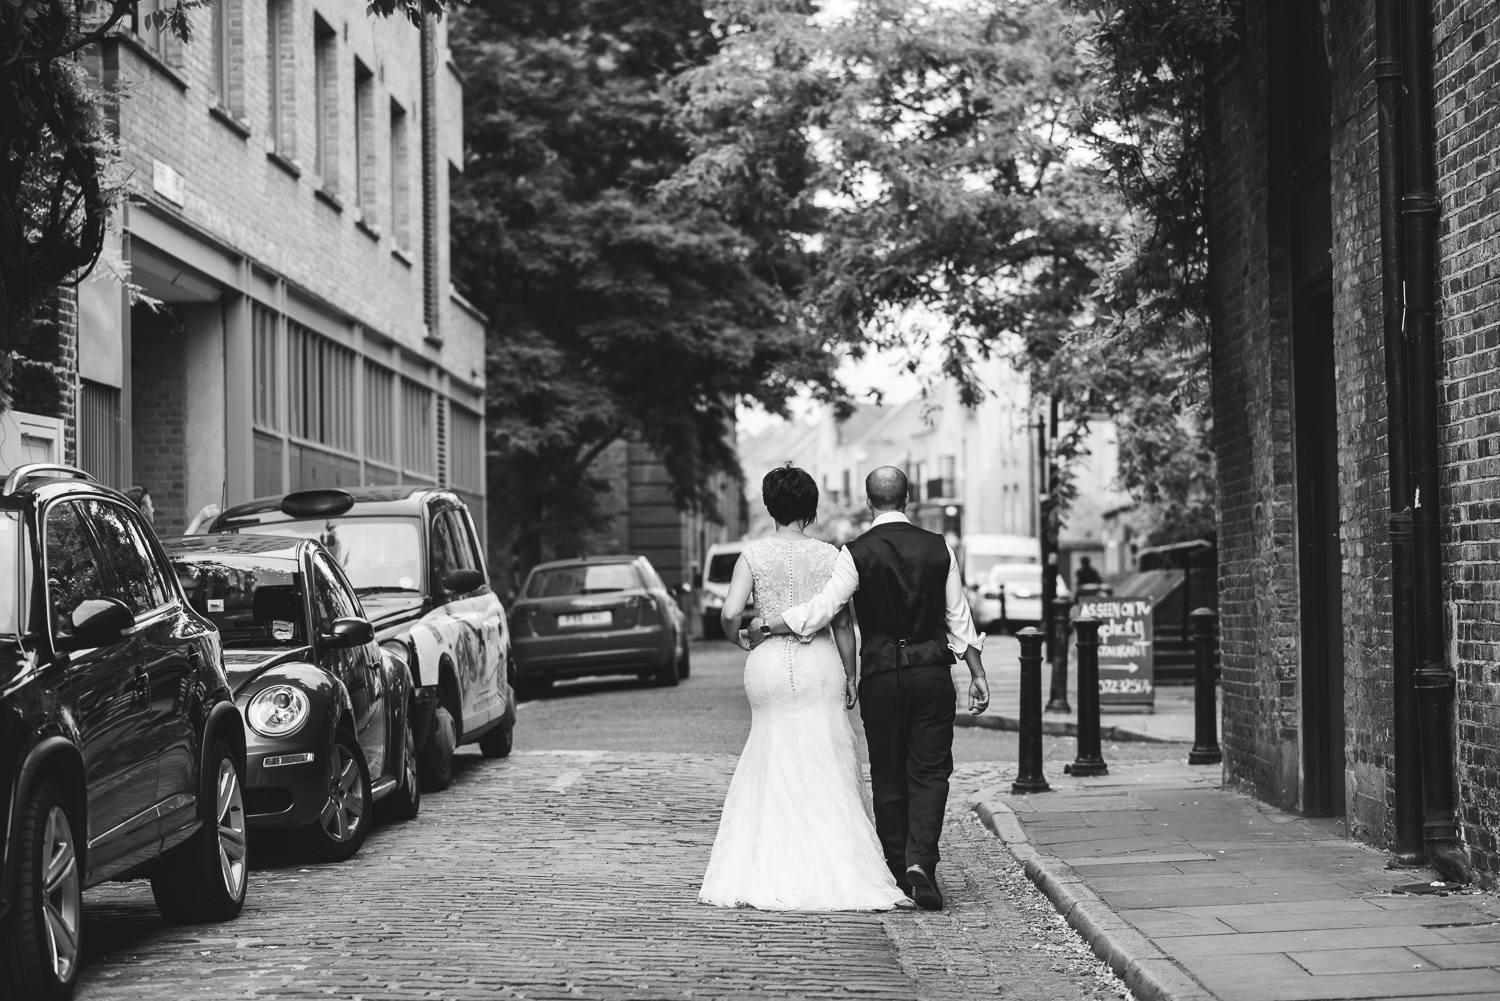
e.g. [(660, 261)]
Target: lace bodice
[(788, 572)]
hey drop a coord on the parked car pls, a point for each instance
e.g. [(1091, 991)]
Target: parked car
[(1010, 595), (122, 754), (604, 615), (415, 561), (718, 572), (325, 708)]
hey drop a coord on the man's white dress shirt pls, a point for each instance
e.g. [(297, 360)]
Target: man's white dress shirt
[(815, 613)]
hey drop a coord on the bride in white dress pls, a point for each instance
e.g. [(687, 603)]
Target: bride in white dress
[(797, 831)]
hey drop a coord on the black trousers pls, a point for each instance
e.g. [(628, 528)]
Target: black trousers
[(908, 717)]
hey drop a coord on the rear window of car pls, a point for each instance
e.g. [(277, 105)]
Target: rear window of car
[(564, 582), (1014, 574), (721, 567), (376, 554), (252, 602)]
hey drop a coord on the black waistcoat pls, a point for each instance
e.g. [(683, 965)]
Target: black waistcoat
[(901, 602)]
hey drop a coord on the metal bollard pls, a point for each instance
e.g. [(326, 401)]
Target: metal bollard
[(1057, 702), (1029, 776), (1090, 760), (1205, 703)]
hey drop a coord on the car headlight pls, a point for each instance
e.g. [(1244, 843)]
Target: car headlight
[(713, 601), (278, 711)]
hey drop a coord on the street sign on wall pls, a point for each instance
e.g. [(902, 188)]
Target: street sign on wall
[(1125, 665)]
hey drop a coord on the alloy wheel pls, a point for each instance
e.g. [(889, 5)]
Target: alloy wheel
[(62, 894), (344, 811), (231, 821), (409, 764)]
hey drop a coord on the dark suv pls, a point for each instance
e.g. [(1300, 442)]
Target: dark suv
[(415, 561), (121, 751)]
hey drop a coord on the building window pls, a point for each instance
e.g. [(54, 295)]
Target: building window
[(418, 446), (320, 379), (326, 113), (148, 21), (400, 179), (229, 55), (468, 450), (99, 432), (364, 143), (380, 414), (281, 76), (263, 348)]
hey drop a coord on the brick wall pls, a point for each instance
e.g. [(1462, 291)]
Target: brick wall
[(158, 447), (1466, 53), (1253, 419), (44, 375)]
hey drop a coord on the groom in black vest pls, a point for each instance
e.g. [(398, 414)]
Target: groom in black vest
[(913, 618)]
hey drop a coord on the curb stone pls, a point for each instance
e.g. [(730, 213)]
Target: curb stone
[(1055, 728), (1149, 973)]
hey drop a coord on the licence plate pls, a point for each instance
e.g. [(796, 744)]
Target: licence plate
[(586, 619)]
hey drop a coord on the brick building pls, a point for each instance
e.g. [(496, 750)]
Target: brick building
[(288, 208), (1336, 701)]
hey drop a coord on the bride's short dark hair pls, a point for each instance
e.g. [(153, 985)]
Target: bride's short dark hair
[(790, 495)]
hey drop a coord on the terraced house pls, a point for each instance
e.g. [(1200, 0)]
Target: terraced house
[(288, 210)]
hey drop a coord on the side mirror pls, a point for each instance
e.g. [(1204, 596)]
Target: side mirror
[(348, 632), (462, 581), (98, 622)]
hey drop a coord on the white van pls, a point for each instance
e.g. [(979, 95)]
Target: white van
[(718, 570), (1003, 579)]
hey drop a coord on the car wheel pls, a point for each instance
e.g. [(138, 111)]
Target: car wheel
[(344, 820), (435, 763), (207, 877), (406, 802), (713, 628), (666, 675), (498, 742), (40, 941), (685, 667)]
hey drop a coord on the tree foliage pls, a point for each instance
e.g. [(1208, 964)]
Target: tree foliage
[(616, 313)]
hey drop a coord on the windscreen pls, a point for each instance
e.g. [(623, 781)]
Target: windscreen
[(253, 602), (377, 554), (565, 582), (721, 567), (13, 596), (1014, 573)]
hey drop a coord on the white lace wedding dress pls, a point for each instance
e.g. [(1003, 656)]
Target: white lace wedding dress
[(797, 830)]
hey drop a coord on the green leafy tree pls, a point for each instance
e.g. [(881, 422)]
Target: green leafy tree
[(618, 312), (56, 155)]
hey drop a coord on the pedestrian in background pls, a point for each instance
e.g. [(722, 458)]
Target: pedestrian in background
[(141, 497)]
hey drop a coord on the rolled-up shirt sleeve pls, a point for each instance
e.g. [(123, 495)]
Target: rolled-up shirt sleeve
[(815, 613), (961, 631)]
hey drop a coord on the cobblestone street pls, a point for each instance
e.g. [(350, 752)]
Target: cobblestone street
[(570, 871)]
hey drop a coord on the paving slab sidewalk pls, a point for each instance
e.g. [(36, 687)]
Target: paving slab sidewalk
[(1191, 891)]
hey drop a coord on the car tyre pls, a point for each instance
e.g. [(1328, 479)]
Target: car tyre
[(713, 627), (406, 802), (435, 762), (498, 742), (667, 675), (206, 879), (685, 667), (40, 941), (344, 821)]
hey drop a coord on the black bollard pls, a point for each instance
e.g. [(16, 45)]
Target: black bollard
[(1057, 702), (1090, 760), (1029, 777), (1206, 710)]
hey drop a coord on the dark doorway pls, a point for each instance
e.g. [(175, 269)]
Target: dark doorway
[(1302, 105)]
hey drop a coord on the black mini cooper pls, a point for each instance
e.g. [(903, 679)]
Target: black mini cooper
[(327, 730), (122, 754)]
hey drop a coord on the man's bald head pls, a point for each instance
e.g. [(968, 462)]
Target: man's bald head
[(886, 489)]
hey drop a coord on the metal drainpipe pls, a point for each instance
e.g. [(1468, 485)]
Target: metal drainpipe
[(432, 290), (1407, 753), (1434, 675)]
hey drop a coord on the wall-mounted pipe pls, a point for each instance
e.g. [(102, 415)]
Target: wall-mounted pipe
[(1406, 751), (1434, 676)]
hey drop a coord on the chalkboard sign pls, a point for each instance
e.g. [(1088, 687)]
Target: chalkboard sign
[(1125, 666)]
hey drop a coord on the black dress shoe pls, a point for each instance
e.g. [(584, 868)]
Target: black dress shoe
[(923, 890)]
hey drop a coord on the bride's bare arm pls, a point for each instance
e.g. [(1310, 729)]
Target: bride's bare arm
[(843, 638), (735, 601)]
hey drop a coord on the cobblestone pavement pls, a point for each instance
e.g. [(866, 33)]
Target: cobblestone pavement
[(571, 872)]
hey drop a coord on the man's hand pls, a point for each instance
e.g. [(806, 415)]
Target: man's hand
[(755, 636), (851, 691), (979, 695)]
